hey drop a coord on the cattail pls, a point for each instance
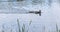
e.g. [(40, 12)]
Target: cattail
[(18, 25), (23, 28), (3, 28), (59, 30), (56, 28), (29, 25)]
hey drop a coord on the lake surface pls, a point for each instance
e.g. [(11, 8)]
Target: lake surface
[(44, 23)]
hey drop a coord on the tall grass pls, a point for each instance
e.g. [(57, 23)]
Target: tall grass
[(57, 28), (18, 25), (29, 25), (3, 28), (23, 29)]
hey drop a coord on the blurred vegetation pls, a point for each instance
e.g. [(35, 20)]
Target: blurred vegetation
[(23, 27), (3, 28), (59, 30), (56, 27)]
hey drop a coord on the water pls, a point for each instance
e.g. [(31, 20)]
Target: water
[(49, 18)]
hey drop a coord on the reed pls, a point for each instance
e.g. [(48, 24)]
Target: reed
[(18, 25), (29, 25), (57, 28), (23, 29), (3, 28)]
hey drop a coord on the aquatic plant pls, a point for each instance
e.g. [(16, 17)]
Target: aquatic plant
[(57, 28), (3, 28), (23, 27), (18, 25), (29, 25)]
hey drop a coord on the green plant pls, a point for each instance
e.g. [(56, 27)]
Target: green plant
[(18, 25), (3, 28), (29, 24), (57, 28), (23, 27)]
